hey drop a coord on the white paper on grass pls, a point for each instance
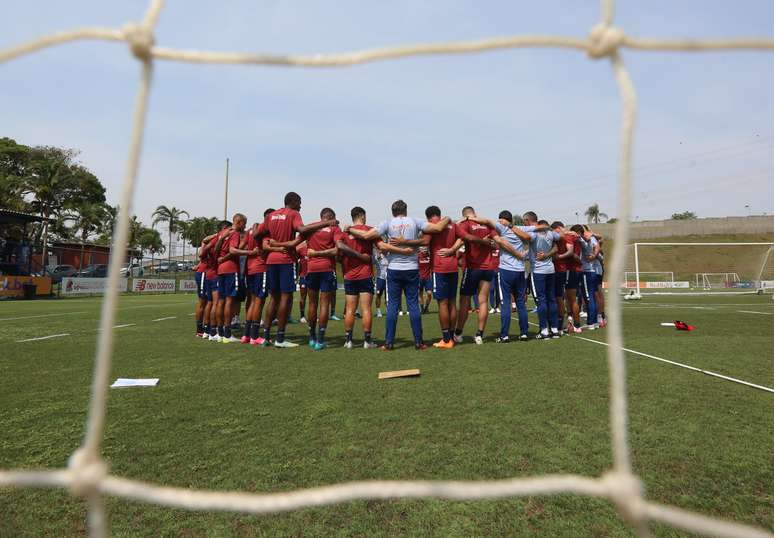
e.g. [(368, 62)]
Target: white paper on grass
[(125, 382)]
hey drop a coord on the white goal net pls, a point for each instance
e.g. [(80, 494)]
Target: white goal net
[(88, 476)]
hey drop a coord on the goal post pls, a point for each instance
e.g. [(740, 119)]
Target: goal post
[(699, 268)]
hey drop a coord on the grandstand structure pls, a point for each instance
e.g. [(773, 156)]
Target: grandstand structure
[(87, 475)]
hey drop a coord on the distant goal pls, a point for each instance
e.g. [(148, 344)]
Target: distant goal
[(721, 268)]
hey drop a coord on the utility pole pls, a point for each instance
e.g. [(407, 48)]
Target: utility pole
[(225, 200)]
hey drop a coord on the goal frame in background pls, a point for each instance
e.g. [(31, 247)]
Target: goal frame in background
[(758, 286)]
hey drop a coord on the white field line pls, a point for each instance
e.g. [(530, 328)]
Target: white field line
[(44, 316), (43, 337), (124, 325), (754, 312), (162, 319), (681, 365)]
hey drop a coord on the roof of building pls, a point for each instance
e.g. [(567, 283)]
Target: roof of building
[(8, 216)]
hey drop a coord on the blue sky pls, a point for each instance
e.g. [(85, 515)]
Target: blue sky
[(520, 130)]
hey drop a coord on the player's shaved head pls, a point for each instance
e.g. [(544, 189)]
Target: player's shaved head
[(505, 215), (268, 212), (468, 211), (529, 216), (358, 213), (399, 208), (293, 200), (433, 211), (224, 224), (327, 213)]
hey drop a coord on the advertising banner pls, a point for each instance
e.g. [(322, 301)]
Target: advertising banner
[(12, 286), (186, 285), (152, 285), (81, 286)]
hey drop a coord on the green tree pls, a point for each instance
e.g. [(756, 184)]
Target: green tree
[(149, 240), (14, 161), (55, 183), (685, 215), (593, 214), (197, 228), (172, 216)]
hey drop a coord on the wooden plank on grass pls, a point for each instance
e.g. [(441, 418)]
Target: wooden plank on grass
[(399, 373)]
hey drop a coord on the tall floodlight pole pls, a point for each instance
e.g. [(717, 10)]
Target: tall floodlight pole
[(225, 200)]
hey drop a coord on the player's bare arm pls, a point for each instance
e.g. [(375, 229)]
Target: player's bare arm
[(451, 251), (314, 226), (346, 250), (436, 227), (327, 253)]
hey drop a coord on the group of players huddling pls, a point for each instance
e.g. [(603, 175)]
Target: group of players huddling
[(414, 257)]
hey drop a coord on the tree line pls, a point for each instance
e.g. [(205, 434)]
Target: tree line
[(51, 182)]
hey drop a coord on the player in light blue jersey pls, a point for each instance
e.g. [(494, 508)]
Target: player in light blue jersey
[(589, 252), (403, 268), (381, 277), (542, 248)]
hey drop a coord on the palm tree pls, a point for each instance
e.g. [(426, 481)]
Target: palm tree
[(594, 214), (172, 216)]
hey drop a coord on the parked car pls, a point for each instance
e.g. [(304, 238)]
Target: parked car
[(171, 267), (132, 270), (59, 272), (93, 271)]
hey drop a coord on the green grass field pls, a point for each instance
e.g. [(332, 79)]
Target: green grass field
[(239, 418)]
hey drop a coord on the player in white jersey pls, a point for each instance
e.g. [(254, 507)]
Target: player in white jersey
[(382, 262)]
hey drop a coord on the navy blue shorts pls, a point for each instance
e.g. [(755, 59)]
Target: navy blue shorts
[(425, 284), (560, 283), (356, 287), (242, 288), (324, 282), (381, 285), (445, 285), (573, 280), (228, 284), (302, 282), (201, 285), (471, 278), (256, 284), (599, 281), (281, 277), (210, 286)]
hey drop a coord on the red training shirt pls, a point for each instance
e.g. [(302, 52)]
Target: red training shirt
[(425, 267), (231, 265), (255, 264), (355, 269), (570, 263), (445, 239), (323, 239), (282, 225), (477, 256)]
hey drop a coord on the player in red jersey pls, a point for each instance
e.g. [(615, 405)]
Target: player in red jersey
[(357, 267), (228, 277), (565, 275), (425, 277), (443, 255), (479, 271), (281, 227), (321, 276), (251, 247), (210, 254), (204, 287)]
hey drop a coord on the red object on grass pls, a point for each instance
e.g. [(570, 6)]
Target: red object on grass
[(683, 326)]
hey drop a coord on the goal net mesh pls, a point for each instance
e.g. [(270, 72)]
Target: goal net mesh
[(87, 475)]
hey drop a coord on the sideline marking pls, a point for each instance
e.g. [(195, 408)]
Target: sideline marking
[(753, 312), (43, 316), (162, 319)]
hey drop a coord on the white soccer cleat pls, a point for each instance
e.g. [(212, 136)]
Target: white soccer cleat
[(302, 320), (370, 345), (400, 313), (457, 338), (497, 309), (215, 338), (491, 310), (584, 314), (285, 343), (379, 314), (478, 340), (348, 345)]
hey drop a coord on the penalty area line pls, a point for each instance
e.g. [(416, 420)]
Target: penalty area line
[(681, 365), (43, 337)]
